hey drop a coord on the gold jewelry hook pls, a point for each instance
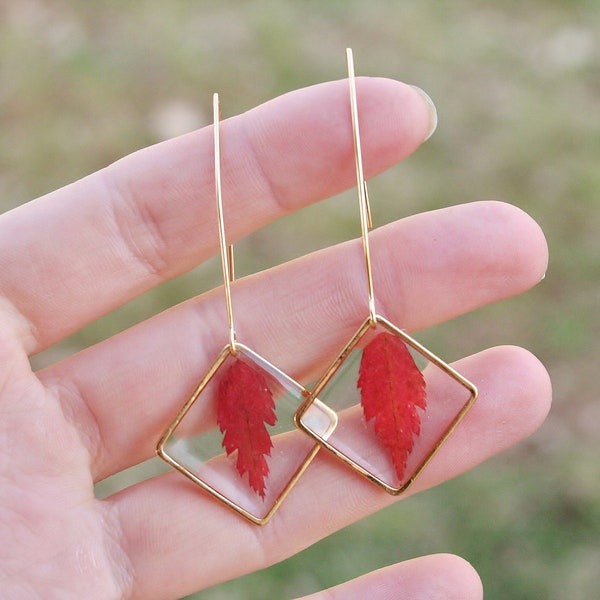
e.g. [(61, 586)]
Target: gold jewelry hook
[(226, 251), (363, 194)]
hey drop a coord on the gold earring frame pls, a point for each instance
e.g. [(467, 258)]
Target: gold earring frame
[(212, 474), (333, 442)]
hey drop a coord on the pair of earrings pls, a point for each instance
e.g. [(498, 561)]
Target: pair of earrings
[(248, 431)]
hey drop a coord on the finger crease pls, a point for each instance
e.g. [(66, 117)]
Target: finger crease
[(136, 227), (118, 551), (24, 328), (265, 182), (78, 413)]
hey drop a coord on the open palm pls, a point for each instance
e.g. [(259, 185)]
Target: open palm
[(75, 254)]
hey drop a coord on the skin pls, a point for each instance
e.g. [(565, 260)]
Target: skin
[(77, 253)]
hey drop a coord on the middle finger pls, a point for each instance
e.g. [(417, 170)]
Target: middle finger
[(428, 268)]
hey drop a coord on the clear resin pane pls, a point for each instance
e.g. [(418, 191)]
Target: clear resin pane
[(196, 445), (373, 448)]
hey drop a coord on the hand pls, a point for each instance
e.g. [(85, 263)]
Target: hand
[(71, 256)]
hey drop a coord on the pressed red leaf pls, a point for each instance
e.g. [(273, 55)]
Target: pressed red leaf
[(392, 387), (244, 404)]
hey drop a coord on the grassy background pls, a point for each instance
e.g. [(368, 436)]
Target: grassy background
[(517, 86)]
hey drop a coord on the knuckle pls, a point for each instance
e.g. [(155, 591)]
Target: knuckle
[(136, 227)]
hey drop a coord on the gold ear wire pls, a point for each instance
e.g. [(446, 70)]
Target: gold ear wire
[(226, 251), (366, 222)]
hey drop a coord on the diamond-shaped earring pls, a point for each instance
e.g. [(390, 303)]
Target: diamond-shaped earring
[(395, 402), (235, 436)]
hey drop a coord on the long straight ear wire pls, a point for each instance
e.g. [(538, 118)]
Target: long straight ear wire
[(366, 222), (226, 250), (388, 443)]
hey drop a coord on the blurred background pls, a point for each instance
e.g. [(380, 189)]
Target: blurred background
[(517, 87)]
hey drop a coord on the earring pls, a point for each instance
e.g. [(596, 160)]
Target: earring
[(410, 400), (235, 436)]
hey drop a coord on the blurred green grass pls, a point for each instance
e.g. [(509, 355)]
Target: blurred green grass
[(517, 86)]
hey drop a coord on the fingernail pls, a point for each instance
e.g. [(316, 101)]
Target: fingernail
[(433, 118)]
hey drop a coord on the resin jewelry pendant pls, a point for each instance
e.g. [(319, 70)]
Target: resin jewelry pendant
[(235, 436), (395, 402)]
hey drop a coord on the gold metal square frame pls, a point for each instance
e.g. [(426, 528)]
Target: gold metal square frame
[(326, 417), (325, 379)]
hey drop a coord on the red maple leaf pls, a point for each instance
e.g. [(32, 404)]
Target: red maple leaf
[(392, 387), (244, 404)]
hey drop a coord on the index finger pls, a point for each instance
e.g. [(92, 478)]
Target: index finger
[(79, 252)]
